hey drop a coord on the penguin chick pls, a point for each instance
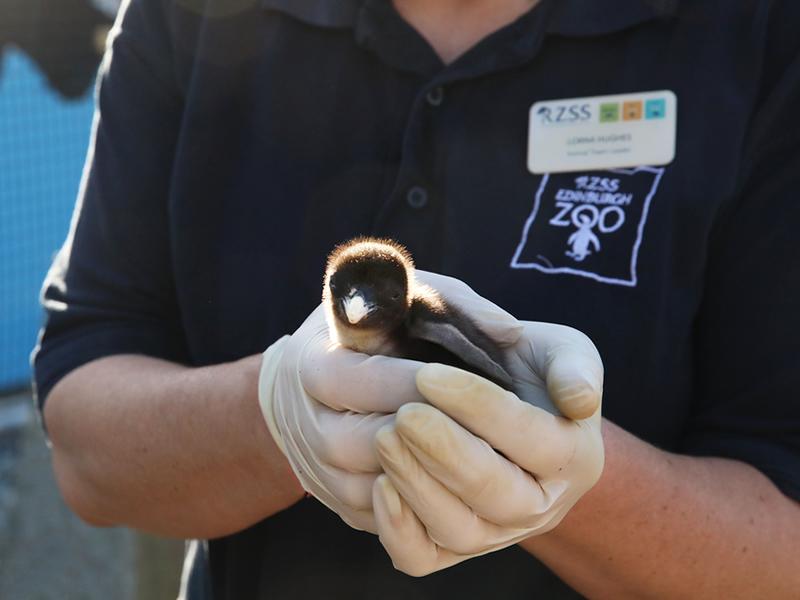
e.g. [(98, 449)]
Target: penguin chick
[(374, 305)]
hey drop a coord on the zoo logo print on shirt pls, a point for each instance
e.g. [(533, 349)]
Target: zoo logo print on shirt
[(589, 225)]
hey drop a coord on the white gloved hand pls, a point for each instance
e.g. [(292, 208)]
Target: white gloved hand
[(329, 447), (478, 469), (323, 403)]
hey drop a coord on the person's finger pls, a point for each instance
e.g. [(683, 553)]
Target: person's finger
[(363, 520), (494, 488), (343, 439), (536, 440), (571, 367), (339, 488), (331, 485), (450, 523), (346, 380), (495, 322), (404, 537)]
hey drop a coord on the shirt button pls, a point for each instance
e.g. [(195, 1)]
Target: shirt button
[(417, 197), (435, 96)]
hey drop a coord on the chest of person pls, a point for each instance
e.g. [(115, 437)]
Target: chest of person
[(311, 139)]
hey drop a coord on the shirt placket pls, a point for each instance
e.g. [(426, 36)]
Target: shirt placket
[(414, 212)]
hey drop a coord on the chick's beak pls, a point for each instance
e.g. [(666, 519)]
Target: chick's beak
[(357, 305)]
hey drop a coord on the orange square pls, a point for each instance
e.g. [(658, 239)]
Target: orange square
[(632, 111)]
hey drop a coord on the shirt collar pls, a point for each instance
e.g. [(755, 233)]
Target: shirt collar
[(335, 14), (569, 17), (598, 17)]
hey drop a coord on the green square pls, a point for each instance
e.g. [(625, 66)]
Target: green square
[(609, 112)]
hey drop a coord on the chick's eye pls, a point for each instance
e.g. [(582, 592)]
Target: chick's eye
[(396, 296)]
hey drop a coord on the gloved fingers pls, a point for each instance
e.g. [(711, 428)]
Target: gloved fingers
[(363, 520), (346, 380), (330, 484), (495, 322), (344, 439), (570, 365), (537, 441), (448, 521), (404, 537), (346, 494), (494, 488), (342, 491)]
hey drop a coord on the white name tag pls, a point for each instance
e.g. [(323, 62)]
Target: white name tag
[(602, 132)]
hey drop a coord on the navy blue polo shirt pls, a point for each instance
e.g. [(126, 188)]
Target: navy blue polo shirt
[(235, 145)]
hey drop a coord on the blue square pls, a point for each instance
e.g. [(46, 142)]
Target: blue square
[(655, 109)]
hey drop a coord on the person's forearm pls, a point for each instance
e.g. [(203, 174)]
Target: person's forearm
[(172, 450), (659, 525)]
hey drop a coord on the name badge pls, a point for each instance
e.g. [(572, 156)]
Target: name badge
[(602, 132)]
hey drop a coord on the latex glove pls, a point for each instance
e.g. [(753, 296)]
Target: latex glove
[(479, 469), (329, 446), (323, 403)]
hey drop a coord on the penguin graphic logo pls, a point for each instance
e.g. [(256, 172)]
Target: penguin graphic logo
[(581, 240), (590, 225)]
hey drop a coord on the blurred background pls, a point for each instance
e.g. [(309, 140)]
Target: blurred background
[(49, 54)]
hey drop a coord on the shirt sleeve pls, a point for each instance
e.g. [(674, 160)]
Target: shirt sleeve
[(748, 330), (110, 289)]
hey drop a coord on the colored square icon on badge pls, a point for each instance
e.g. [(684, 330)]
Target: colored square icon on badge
[(632, 111), (655, 109), (609, 112)]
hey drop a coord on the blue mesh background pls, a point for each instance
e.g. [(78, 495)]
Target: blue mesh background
[(43, 141)]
